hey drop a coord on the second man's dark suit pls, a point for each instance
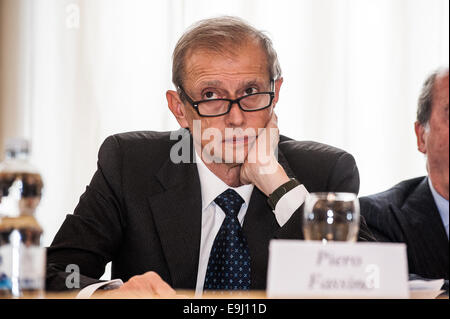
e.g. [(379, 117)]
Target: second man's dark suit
[(143, 212), (407, 213)]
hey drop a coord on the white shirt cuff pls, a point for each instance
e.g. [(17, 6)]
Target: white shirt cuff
[(87, 292), (289, 203)]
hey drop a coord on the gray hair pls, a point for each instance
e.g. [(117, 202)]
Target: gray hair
[(426, 97), (221, 35)]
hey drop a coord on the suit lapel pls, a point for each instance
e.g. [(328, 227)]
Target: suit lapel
[(423, 228), (177, 215)]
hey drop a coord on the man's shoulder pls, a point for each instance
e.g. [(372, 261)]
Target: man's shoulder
[(395, 196), (143, 138), (320, 167), (143, 141), (315, 157), (149, 149), (308, 148)]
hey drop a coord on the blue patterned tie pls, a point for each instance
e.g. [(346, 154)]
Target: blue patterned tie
[(229, 261)]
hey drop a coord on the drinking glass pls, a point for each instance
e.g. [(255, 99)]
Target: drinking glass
[(331, 217)]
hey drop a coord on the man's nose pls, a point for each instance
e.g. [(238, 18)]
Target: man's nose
[(236, 116)]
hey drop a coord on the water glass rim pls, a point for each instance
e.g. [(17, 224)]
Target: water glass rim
[(333, 196)]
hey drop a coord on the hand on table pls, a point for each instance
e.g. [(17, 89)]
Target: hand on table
[(147, 285)]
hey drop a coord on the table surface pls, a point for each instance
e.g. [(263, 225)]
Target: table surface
[(190, 294)]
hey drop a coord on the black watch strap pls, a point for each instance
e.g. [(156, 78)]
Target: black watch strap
[(281, 191)]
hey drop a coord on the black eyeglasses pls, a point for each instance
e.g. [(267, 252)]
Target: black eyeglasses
[(247, 103)]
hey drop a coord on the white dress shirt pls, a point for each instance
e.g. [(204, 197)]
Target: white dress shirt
[(213, 216)]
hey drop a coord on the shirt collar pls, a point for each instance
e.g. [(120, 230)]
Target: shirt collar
[(212, 186), (441, 203)]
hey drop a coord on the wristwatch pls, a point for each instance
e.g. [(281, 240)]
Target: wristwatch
[(281, 191)]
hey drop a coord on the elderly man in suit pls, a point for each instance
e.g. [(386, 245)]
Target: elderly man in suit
[(416, 211), (201, 221)]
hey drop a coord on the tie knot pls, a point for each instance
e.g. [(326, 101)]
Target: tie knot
[(230, 202)]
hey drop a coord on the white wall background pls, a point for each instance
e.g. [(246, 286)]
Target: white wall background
[(352, 74)]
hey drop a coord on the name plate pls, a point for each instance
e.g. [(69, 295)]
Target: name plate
[(310, 269)]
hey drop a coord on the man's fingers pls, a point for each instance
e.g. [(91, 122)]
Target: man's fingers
[(273, 122), (135, 283), (159, 286), (243, 177), (275, 117), (144, 286)]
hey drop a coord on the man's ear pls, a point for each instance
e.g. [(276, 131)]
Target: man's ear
[(177, 108), (421, 134), (277, 90)]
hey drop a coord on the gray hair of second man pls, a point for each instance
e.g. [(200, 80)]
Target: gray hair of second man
[(222, 35), (426, 96)]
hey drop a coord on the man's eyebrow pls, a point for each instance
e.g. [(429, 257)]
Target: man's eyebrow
[(211, 83), (251, 82), (242, 83)]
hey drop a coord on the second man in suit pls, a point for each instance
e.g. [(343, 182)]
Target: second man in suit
[(416, 211)]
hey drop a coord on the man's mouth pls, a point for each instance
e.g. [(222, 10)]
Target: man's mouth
[(239, 140)]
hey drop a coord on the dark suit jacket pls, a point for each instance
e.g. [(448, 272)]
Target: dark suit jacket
[(143, 212), (407, 213)]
